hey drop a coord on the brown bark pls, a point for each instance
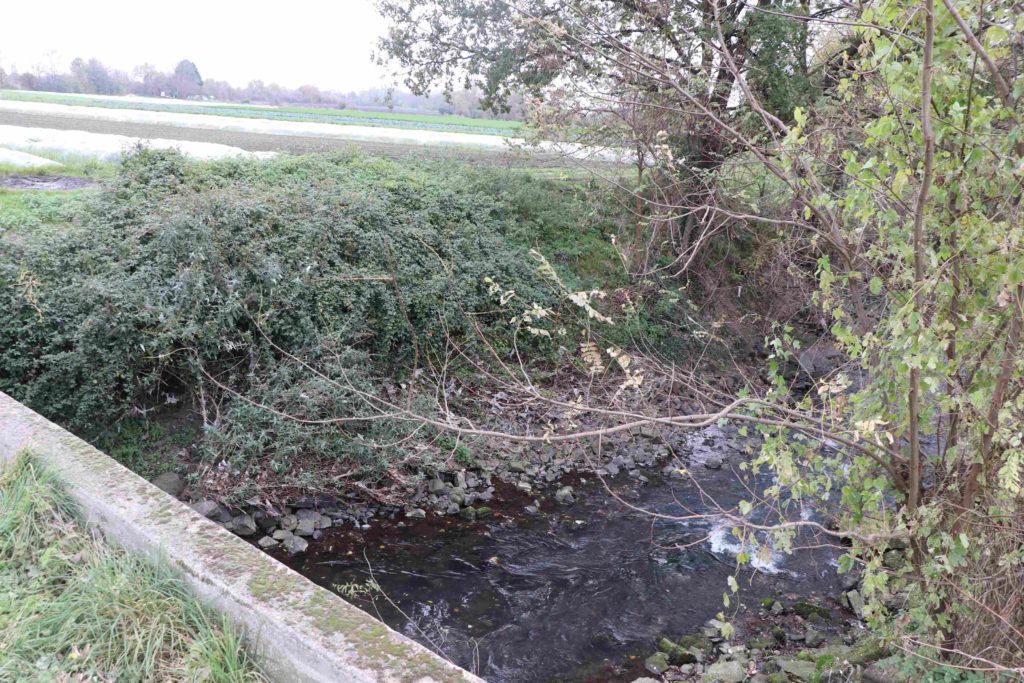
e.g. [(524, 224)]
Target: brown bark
[(914, 393)]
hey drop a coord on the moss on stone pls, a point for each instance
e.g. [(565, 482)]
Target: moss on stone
[(867, 651), (375, 645), (864, 652), (694, 641), (809, 610), (331, 618), (677, 654), (265, 583)]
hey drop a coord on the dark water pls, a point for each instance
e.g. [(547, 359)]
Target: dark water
[(565, 595)]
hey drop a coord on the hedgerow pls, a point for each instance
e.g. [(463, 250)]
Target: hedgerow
[(183, 277)]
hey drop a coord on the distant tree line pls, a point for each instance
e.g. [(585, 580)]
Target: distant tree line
[(185, 82)]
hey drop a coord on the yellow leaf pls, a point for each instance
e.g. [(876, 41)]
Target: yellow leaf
[(591, 356)]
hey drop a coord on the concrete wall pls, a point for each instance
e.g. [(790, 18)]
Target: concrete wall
[(298, 631)]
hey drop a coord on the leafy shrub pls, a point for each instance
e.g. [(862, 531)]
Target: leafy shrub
[(570, 223), (339, 431), (180, 276)]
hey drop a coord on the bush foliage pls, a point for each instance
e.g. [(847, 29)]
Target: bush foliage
[(226, 278)]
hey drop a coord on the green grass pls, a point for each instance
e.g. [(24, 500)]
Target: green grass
[(431, 119), (73, 608), (77, 165), (145, 446), (26, 211), (287, 113)]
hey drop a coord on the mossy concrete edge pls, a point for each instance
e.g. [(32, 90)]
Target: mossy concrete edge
[(297, 631)]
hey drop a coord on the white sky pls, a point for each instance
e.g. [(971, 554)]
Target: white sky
[(324, 42)]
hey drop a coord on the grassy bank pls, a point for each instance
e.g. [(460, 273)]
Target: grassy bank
[(73, 608), (460, 124)]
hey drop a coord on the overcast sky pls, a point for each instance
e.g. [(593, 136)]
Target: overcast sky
[(323, 42)]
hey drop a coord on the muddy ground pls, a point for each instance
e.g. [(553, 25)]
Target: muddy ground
[(45, 182)]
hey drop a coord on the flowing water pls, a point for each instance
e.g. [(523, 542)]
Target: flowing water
[(568, 594)]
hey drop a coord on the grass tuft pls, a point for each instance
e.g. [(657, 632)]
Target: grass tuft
[(71, 164), (73, 608)]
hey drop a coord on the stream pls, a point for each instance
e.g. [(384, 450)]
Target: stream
[(573, 593)]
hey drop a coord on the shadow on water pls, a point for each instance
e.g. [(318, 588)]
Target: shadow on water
[(576, 593)]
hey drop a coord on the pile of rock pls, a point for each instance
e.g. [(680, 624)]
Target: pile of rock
[(455, 493), (532, 473), (537, 472), (633, 462), (289, 528), (805, 644)]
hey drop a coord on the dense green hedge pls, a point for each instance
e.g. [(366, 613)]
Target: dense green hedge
[(178, 272)]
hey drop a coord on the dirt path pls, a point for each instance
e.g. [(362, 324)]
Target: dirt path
[(45, 182)]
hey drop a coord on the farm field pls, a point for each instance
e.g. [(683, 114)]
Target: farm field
[(60, 131), (273, 113), (103, 127), (289, 144)]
